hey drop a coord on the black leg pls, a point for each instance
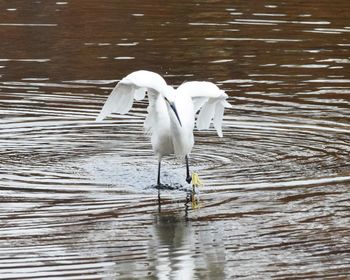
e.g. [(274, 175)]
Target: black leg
[(158, 179), (188, 177)]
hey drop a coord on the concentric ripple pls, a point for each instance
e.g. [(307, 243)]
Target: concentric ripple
[(78, 197)]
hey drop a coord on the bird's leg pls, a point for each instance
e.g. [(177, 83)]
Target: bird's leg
[(158, 179), (188, 177)]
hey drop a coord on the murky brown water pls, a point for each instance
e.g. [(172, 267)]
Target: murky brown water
[(76, 196)]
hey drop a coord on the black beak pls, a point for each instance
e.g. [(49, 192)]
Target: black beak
[(172, 106)]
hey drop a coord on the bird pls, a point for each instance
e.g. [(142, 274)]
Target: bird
[(172, 113)]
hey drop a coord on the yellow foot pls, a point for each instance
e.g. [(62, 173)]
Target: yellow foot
[(196, 182)]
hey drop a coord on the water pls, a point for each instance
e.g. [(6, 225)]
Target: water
[(76, 196)]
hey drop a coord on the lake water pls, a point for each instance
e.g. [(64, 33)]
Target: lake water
[(77, 200)]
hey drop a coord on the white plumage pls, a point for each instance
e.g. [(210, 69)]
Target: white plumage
[(171, 112)]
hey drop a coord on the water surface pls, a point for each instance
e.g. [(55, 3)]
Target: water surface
[(76, 196)]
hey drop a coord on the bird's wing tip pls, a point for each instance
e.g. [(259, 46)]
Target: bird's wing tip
[(99, 118)]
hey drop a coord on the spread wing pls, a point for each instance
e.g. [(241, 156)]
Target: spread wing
[(209, 100), (133, 86)]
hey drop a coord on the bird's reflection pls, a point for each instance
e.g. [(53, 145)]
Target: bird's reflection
[(172, 246), (178, 250), (192, 201)]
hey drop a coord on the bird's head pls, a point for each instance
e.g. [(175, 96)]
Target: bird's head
[(169, 97)]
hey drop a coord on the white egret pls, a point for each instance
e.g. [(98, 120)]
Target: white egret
[(171, 112)]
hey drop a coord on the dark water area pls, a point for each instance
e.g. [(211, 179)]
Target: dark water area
[(76, 196)]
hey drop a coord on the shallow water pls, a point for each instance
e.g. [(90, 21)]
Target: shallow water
[(76, 196)]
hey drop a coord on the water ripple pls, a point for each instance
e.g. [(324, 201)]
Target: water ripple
[(78, 197)]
